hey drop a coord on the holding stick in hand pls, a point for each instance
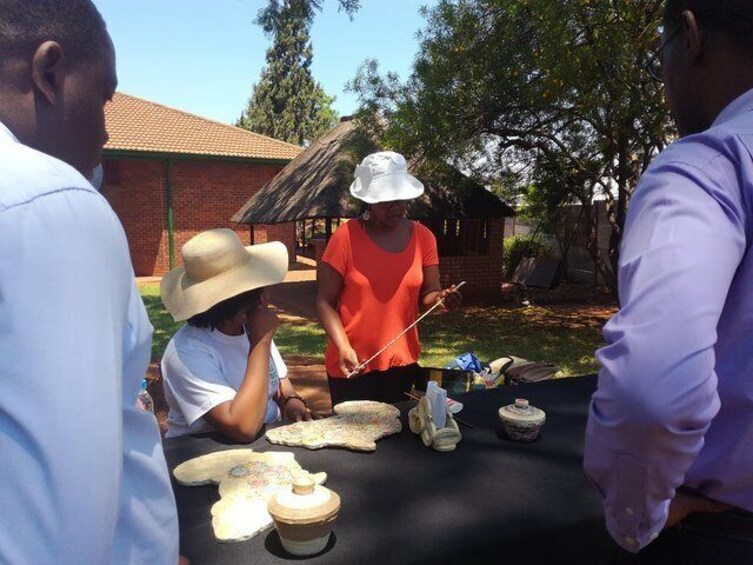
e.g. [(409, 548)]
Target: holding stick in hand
[(376, 272)]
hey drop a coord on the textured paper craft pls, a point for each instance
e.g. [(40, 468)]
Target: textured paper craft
[(421, 423), (247, 481), (357, 425), (437, 397)]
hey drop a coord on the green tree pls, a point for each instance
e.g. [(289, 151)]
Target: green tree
[(287, 103), (549, 94)]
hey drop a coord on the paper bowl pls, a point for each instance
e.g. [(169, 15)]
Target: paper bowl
[(521, 421), (304, 516)]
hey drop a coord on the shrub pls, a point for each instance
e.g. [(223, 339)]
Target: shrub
[(517, 247)]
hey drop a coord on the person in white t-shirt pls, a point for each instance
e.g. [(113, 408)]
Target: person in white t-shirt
[(222, 371)]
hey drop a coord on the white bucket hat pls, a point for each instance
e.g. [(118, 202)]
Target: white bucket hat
[(384, 177), (218, 267)]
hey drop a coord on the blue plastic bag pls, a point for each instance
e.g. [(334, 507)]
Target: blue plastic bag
[(465, 362)]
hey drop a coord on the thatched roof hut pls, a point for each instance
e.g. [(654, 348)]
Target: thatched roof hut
[(315, 185)]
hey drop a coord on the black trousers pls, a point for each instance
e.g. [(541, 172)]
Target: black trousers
[(384, 386), (700, 539)]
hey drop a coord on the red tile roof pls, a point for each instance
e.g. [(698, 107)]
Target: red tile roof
[(138, 125)]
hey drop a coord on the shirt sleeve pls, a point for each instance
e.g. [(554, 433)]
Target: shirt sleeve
[(657, 392), (337, 253), (277, 361), (194, 375), (429, 253)]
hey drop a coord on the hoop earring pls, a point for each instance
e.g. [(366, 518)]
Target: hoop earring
[(366, 215)]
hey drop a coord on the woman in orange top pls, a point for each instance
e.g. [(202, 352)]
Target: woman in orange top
[(374, 274)]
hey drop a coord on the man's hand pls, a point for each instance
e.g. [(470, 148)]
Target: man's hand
[(348, 360), (684, 504)]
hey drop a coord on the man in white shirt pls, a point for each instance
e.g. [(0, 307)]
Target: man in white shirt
[(83, 476)]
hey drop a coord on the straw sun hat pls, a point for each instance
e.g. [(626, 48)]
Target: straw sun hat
[(218, 267), (384, 177)]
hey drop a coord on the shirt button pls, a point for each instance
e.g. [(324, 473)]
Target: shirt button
[(629, 541), (629, 511)]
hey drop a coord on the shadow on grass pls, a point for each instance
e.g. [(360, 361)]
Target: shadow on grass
[(565, 336), (537, 334)]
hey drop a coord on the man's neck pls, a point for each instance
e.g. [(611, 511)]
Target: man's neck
[(727, 76)]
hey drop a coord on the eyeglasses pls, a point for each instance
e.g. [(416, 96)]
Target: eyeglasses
[(655, 61)]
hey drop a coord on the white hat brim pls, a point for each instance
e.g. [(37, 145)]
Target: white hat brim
[(387, 188), (265, 265)]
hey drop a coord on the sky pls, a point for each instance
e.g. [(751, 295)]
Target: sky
[(203, 56)]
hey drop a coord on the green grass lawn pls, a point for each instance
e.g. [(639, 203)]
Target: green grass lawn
[(565, 336)]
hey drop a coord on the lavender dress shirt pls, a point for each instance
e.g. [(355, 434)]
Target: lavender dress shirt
[(674, 404)]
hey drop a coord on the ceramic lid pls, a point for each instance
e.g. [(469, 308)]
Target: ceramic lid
[(522, 412), (304, 503)]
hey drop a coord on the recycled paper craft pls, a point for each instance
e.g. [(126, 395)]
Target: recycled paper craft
[(357, 425), (304, 516), (522, 422), (421, 423), (247, 481)]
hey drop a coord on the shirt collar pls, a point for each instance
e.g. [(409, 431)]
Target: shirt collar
[(225, 338), (740, 105), (5, 133)]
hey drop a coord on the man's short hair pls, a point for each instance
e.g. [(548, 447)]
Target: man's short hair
[(75, 24), (732, 18)]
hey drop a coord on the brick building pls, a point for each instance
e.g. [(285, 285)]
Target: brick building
[(169, 175), (312, 192)]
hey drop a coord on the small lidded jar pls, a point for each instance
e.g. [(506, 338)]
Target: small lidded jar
[(522, 422), (304, 516)]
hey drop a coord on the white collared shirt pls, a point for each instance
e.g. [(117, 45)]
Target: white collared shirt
[(83, 478)]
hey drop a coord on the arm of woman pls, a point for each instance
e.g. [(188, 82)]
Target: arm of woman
[(242, 417), (330, 284), (294, 408), (431, 291)]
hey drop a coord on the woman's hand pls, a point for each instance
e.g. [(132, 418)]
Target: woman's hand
[(451, 296), (348, 360), (295, 410), (260, 322)]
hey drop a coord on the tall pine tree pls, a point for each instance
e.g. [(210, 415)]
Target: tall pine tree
[(287, 103)]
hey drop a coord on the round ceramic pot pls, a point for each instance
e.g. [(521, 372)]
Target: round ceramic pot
[(304, 516), (521, 421)]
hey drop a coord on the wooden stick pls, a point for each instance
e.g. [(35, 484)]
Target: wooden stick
[(360, 367)]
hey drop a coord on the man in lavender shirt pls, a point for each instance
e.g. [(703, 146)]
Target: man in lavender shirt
[(669, 441)]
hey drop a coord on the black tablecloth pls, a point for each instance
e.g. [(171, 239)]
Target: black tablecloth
[(489, 501)]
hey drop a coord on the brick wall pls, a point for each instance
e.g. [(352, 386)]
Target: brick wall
[(278, 232), (138, 198), (206, 194), (482, 273)]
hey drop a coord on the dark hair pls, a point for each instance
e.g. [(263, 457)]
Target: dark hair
[(732, 18), (225, 310), (75, 24)]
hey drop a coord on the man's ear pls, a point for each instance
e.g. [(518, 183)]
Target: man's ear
[(48, 70), (694, 39)]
